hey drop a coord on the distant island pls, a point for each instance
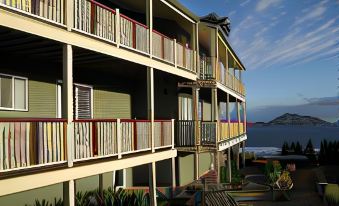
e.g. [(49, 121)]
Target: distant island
[(295, 119)]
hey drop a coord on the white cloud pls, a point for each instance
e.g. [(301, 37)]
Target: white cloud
[(264, 4), (316, 13), (244, 3)]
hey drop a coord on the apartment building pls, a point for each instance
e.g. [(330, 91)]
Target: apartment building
[(98, 94)]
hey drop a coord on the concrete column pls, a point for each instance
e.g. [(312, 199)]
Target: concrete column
[(196, 165), (150, 102), (68, 193), (149, 22), (229, 164), (152, 184)]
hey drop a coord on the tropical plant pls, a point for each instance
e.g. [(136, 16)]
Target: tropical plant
[(44, 202), (332, 194), (284, 181)]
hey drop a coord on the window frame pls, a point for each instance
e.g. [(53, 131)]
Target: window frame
[(13, 77)]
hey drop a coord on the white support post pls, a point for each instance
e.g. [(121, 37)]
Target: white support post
[(124, 178), (238, 116), (117, 27), (197, 60), (149, 21), (69, 14), (217, 165), (173, 173), (245, 117), (152, 184), (175, 53), (68, 193), (119, 138), (67, 104), (172, 132), (150, 102)]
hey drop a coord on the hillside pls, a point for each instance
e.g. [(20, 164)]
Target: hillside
[(295, 119)]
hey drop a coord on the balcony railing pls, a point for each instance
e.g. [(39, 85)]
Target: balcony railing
[(94, 18), (98, 138), (49, 10), (185, 130), (206, 68), (234, 129), (163, 47), (208, 133), (27, 143), (185, 57)]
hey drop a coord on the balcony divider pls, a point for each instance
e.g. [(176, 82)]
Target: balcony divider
[(162, 133), (29, 143), (185, 130), (163, 47)]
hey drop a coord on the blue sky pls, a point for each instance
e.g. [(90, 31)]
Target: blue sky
[(291, 51)]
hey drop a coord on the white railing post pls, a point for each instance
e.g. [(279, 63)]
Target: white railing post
[(69, 14), (117, 27), (119, 138), (175, 53), (172, 128)]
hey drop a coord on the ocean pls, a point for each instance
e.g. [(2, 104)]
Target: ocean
[(269, 139)]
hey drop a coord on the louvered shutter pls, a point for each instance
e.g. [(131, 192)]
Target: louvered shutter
[(83, 102)]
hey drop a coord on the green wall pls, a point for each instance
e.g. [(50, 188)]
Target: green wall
[(41, 101), (204, 162), (186, 169), (111, 104)]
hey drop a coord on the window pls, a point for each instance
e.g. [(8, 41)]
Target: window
[(13, 93)]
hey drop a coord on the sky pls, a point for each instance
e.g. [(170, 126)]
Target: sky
[(290, 50)]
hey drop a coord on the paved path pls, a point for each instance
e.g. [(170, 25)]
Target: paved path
[(303, 193)]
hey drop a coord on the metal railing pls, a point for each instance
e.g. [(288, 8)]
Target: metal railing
[(185, 130), (206, 68), (208, 132)]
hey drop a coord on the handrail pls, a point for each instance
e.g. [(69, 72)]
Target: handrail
[(32, 120), (163, 35), (95, 120), (103, 6), (133, 21)]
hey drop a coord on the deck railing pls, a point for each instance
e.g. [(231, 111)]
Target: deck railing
[(229, 80), (134, 34), (50, 10), (208, 132), (162, 133), (94, 138), (185, 133), (26, 143), (163, 47), (234, 129), (185, 57), (206, 68), (94, 18)]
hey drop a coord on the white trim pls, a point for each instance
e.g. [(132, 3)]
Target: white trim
[(13, 93), (231, 142), (162, 147), (179, 12), (31, 167)]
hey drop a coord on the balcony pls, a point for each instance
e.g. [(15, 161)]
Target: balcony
[(30, 143), (102, 22), (210, 132), (187, 136), (209, 72)]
